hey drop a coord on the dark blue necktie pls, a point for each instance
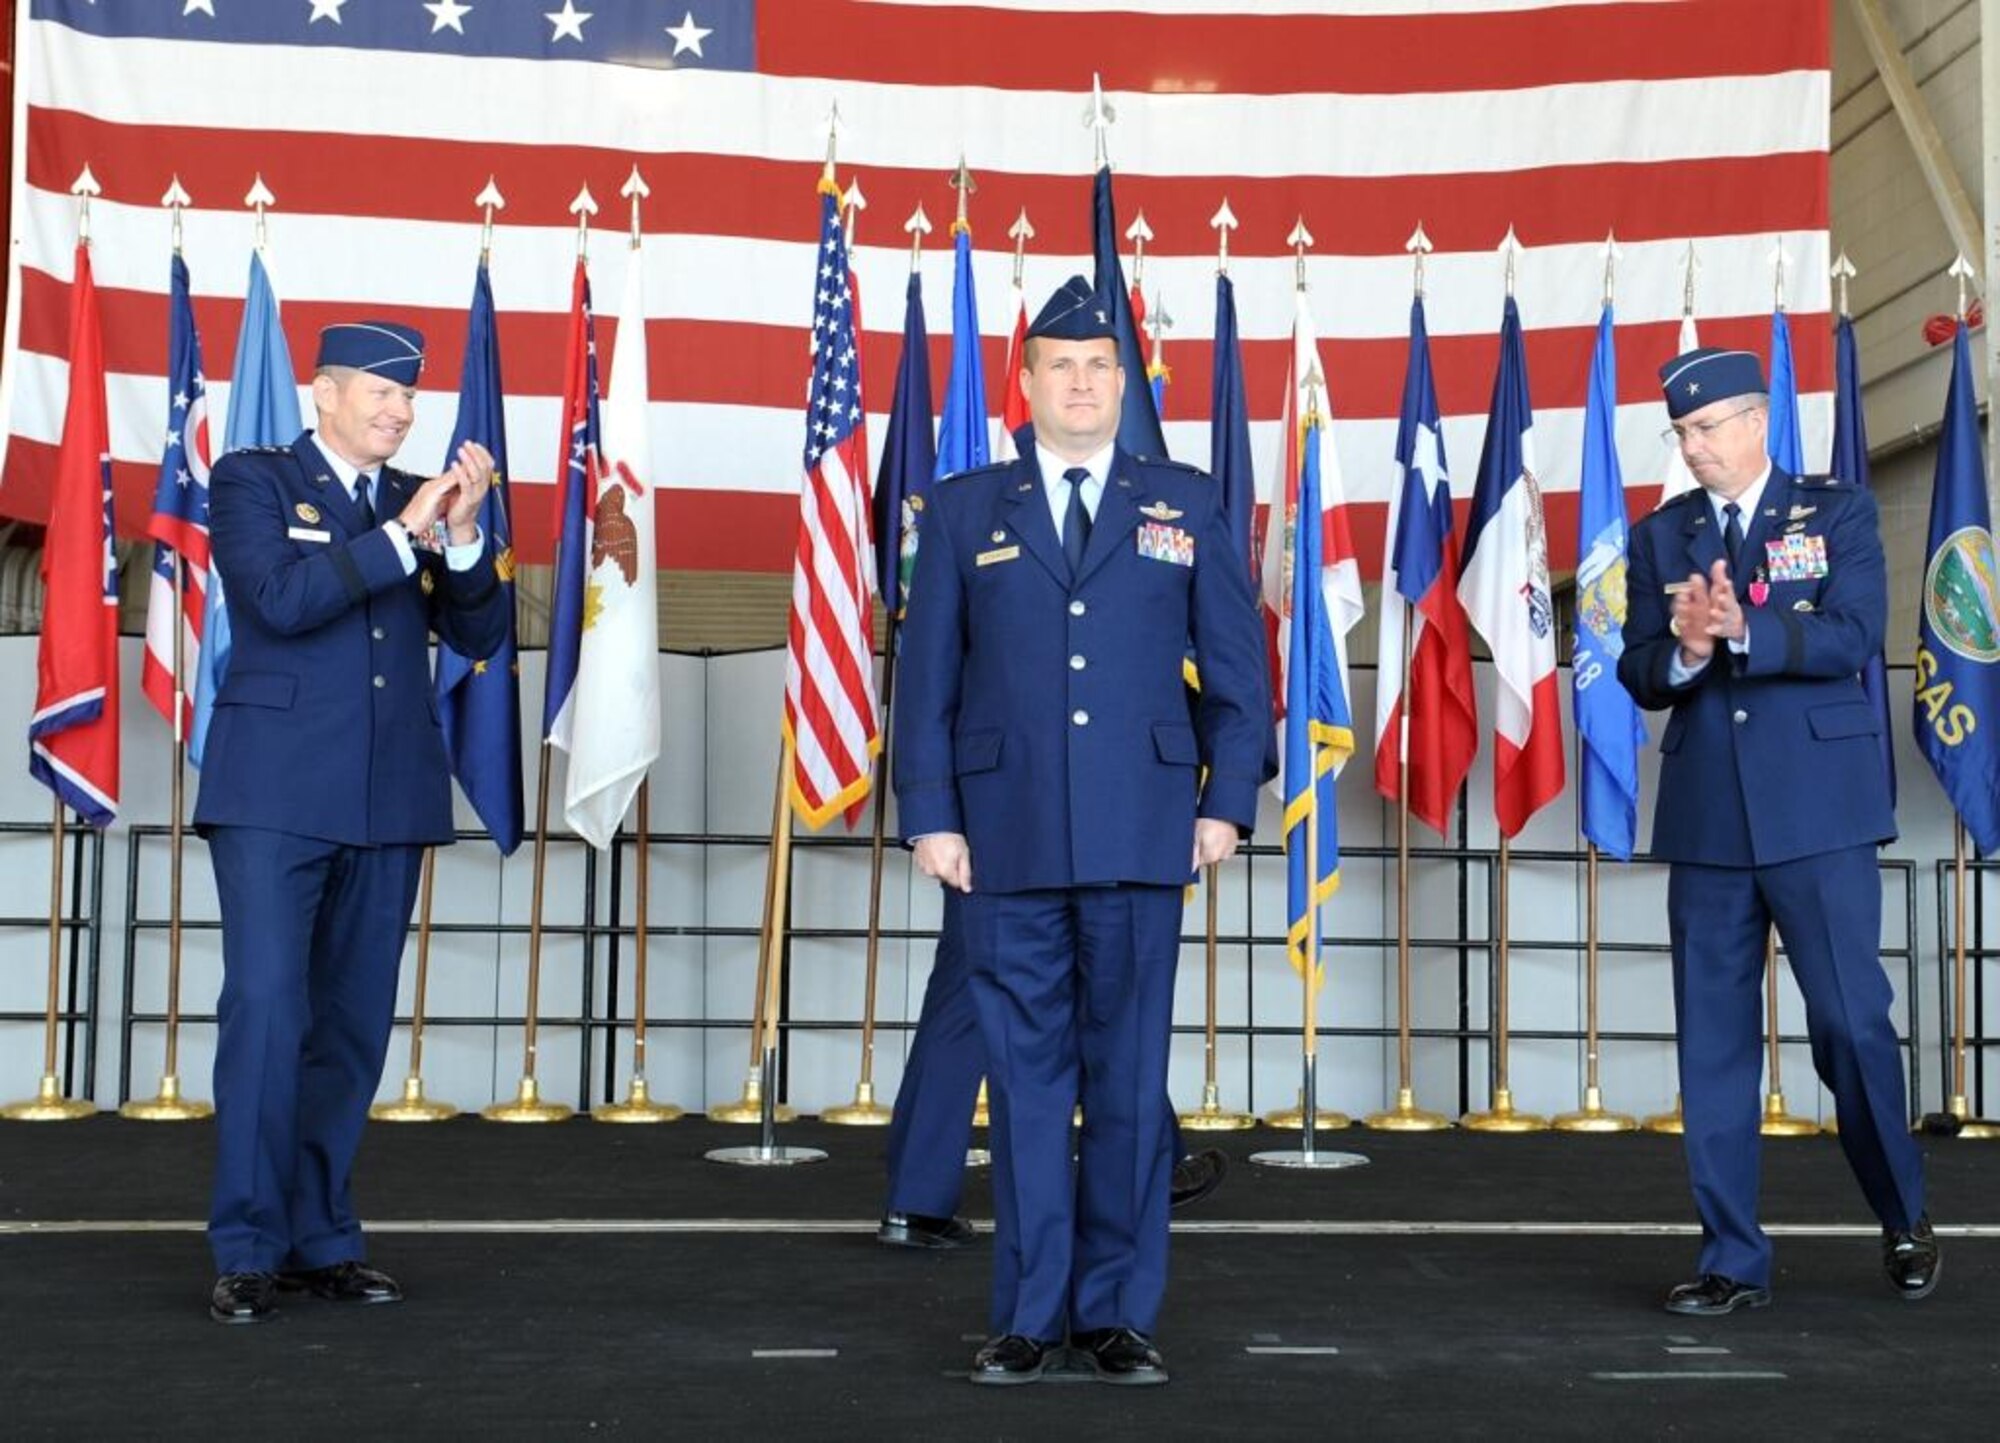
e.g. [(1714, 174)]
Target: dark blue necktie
[(1076, 521), (1732, 534), (361, 499)]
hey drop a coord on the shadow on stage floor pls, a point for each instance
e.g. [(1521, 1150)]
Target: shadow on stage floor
[(592, 1281)]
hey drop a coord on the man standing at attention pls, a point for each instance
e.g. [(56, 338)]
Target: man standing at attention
[(1753, 603), (1048, 770), (326, 779)]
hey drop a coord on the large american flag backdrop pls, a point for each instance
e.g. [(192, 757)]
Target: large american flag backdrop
[(375, 123)]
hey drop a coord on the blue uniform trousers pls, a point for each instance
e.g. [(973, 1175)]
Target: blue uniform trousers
[(1828, 910), (312, 935), (1074, 989)]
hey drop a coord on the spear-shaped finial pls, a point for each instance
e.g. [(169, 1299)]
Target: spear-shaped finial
[(1298, 240), (1779, 255), (833, 128), (1510, 255), (583, 208), (83, 188), (1419, 245), (1158, 323), (1099, 116), (635, 190), (962, 182), (919, 226), (1315, 417), (1842, 270), (1962, 268), (852, 203), (1138, 233), (176, 199), (1611, 251), (1222, 223), (1021, 233), (488, 201), (1689, 266), (260, 196)]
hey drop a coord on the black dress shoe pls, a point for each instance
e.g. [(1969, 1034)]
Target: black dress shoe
[(1010, 1359), (348, 1282), (1711, 1295), (1197, 1175), (1120, 1355), (244, 1298), (914, 1230), (1912, 1260)]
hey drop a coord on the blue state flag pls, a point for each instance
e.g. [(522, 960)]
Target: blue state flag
[(909, 460), (263, 411), (962, 429), (1315, 715), (1139, 431), (1783, 441), (479, 702), (1608, 724), (1229, 428), (1957, 708), (1850, 463)]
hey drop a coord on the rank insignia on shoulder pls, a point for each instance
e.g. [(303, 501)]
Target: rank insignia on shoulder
[(306, 512), (1160, 511)]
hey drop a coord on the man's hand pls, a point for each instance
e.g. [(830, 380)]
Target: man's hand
[(945, 856), (1690, 619), (1214, 841), (1725, 613), (427, 505), (473, 468)]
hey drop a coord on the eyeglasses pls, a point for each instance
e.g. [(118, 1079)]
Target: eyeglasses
[(1701, 430)]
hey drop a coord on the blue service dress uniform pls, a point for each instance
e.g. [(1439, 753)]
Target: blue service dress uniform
[(1772, 801), (325, 778), (1043, 716)]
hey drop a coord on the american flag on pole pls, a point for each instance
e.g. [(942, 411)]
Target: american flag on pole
[(1569, 118), (830, 714), (179, 525)]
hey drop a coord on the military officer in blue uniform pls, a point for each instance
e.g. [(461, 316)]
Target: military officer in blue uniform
[(325, 780), (1048, 769), (1754, 601)]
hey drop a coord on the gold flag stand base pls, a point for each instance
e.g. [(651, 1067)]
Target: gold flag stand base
[(1667, 1122), (637, 1107), (1592, 1117), (1502, 1117), (168, 1106), (49, 1105), (1406, 1116), (413, 1106), (1293, 1119), (864, 1111), (1976, 1128), (750, 1107), (527, 1106), (1211, 1117), (1780, 1123)]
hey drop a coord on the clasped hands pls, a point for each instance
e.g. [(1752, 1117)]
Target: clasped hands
[(1706, 611), (455, 496), (945, 855)]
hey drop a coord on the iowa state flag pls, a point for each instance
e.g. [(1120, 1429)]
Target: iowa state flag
[(73, 735)]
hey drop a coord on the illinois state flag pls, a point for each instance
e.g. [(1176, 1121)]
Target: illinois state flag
[(1504, 584), (614, 733), (73, 735), (1420, 609)]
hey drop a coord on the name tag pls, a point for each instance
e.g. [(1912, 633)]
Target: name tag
[(1796, 557), (307, 533), (1160, 542), (1000, 553)]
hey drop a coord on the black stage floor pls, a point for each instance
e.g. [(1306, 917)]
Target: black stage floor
[(583, 1280)]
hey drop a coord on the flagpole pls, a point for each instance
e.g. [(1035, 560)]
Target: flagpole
[(413, 1106), (1777, 1121), (1960, 1121), (1210, 1116), (750, 1106), (638, 1106), (1502, 1117), (865, 1111), (48, 1104), (768, 1151), (1592, 1116), (528, 1104)]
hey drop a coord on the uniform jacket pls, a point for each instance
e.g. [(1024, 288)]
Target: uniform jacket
[(326, 723), (1771, 756), (1046, 718)]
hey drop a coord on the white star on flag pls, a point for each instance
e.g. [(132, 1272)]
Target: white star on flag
[(325, 10), (206, 7), (567, 21), (447, 12), (688, 35)]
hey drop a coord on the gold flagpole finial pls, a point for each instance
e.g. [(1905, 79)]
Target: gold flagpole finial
[(1611, 251), (635, 190), (1842, 270), (1020, 232), (1138, 233), (1299, 240), (488, 201), (1419, 245), (260, 197), (176, 200), (583, 208), (1510, 255), (962, 182), (919, 226), (1222, 223), (1098, 117)]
